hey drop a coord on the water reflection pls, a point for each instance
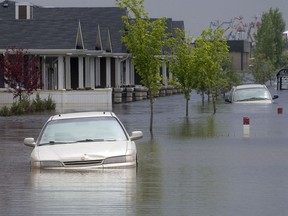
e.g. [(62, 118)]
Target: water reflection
[(97, 192), (149, 176), (197, 128)]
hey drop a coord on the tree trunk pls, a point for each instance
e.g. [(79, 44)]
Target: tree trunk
[(208, 96), (203, 97), (187, 107), (214, 103), (151, 112)]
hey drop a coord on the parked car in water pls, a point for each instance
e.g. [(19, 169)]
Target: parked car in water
[(83, 140), (250, 93)]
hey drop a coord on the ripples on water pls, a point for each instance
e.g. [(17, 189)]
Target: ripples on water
[(199, 165)]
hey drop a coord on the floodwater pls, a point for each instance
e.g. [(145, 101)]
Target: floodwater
[(200, 165)]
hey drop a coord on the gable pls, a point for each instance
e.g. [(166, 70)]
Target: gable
[(98, 45), (79, 38)]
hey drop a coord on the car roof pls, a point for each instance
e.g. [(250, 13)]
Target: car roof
[(82, 115), (250, 86)]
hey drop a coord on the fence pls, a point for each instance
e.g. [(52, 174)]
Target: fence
[(84, 100)]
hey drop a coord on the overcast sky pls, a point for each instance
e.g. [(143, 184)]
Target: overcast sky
[(196, 14)]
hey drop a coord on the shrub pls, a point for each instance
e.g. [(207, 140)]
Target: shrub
[(50, 105), (5, 111), (25, 106), (38, 104)]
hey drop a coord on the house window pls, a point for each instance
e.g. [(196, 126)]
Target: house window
[(22, 12)]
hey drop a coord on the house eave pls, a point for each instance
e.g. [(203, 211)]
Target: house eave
[(72, 52)]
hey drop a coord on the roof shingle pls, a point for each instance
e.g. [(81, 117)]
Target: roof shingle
[(56, 28)]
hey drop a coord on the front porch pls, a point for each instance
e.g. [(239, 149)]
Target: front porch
[(78, 72)]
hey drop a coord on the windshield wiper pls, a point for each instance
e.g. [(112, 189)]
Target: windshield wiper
[(54, 142), (90, 140)]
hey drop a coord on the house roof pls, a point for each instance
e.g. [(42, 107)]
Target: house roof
[(57, 28), (96, 28)]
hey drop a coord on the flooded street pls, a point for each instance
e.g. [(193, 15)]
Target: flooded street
[(201, 165)]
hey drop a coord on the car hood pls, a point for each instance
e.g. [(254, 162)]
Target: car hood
[(80, 151)]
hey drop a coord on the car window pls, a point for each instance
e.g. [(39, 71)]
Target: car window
[(83, 129), (251, 94)]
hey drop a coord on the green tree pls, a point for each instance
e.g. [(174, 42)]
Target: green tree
[(231, 76), (211, 53), (279, 28), (145, 39), (262, 69), (181, 65), (268, 53)]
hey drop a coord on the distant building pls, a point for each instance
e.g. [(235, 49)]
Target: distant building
[(79, 48), (239, 53)]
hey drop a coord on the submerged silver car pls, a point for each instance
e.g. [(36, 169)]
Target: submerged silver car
[(84, 140), (250, 93)]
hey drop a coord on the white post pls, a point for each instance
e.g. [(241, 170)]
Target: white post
[(246, 127), (81, 72), (87, 72), (60, 72), (44, 74), (164, 73), (127, 72), (117, 72), (92, 72), (108, 72), (132, 74), (98, 78), (68, 72), (170, 76)]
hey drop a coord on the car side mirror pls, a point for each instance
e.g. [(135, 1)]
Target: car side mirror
[(136, 135), (275, 97), (227, 100), (29, 142)]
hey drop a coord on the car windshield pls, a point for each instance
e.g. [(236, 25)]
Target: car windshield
[(251, 94), (82, 130)]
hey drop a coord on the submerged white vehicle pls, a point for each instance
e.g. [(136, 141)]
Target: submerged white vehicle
[(85, 140), (250, 93)]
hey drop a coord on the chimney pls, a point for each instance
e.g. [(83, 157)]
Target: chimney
[(5, 4)]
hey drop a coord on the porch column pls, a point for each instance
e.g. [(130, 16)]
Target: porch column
[(92, 72), (132, 74), (87, 72), (164, 73), (97, 77), (117, 72), (68, 72), (108, 72), (60, 72), (127, 72), (170, 76), (44, 73), (81, 72)]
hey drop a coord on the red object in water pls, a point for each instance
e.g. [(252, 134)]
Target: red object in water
[(280, 110), (246, 121)]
